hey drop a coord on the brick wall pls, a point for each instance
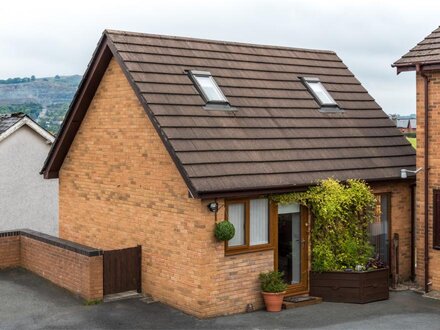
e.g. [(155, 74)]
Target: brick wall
[(9, 250), (400, 221), (434, 174), (73, 267)]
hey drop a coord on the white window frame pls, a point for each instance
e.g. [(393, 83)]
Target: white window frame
[(195, 74), (313, 80)]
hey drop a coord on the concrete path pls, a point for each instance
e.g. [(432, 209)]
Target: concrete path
[(30, 302)]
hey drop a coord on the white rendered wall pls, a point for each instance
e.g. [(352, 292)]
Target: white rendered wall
[(26, 199)]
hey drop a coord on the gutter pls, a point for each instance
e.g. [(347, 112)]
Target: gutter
[(426, 174)]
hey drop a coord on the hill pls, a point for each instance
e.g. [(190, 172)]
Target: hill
[(45, 100)]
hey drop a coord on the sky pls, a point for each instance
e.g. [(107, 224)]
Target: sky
[(46, 38)]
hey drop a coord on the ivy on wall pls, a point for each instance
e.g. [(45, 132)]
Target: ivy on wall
[(341, 215)]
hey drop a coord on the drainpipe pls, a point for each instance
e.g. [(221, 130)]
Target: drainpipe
[(426, 172)]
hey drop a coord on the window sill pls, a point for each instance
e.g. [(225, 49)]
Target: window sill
[(233, 252)]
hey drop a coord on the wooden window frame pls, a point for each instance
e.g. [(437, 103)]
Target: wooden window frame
[(247, 248), (435, 224)]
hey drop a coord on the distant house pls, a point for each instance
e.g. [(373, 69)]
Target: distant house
[(406, 125), (167, 135), (26, 199)]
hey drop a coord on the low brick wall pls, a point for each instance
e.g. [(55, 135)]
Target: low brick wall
[(75, 267), (9, 249)]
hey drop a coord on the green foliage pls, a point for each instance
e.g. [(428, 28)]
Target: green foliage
[(92, 302), (30, 108), (224, 231), (413, 141), (341, 215), (45, 100), (273, 282), (14, 81)]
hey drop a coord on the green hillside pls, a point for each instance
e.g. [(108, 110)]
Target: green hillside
[(46, 100)]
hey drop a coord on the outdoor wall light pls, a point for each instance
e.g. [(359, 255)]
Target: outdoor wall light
[(404, 172), (213, 207)]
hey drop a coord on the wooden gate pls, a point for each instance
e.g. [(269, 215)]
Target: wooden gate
[(122, 270)]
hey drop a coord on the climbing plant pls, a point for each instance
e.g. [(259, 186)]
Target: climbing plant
[(341, 215)]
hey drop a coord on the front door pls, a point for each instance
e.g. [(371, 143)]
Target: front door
[(291, 255)]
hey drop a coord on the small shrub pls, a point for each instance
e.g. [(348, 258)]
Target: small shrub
[(224, 231), (272, 282)]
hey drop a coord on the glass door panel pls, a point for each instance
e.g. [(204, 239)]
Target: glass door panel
[(290, 243)]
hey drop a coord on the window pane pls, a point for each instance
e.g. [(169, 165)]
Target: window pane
[(321, 93), (259, 221), (379, 228), (237, 218), (210, 88)]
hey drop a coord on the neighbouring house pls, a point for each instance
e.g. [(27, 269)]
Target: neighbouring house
[(26, 199), (406, 125), (424, 59), (165, 130)]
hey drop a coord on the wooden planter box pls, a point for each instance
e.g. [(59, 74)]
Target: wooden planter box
[(350, 287)]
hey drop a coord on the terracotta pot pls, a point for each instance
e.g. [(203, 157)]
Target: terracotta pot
[(273, 301)]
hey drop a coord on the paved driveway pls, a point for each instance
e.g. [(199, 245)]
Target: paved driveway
[(30, 302)]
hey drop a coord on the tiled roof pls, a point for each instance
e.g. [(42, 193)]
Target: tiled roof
[(9, 120), (277, 138), (426, 52)]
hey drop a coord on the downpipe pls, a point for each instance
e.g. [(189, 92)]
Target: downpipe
[(426, 175)]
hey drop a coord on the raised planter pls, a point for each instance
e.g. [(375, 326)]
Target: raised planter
[(350, 287)]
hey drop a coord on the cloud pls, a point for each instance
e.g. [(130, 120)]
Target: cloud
[(45, 38)]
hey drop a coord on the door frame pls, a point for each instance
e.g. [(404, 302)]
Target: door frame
[(303, 287)]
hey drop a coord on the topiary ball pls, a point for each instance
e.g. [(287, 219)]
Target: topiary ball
[(224, 231)]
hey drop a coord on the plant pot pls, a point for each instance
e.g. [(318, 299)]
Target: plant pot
[(273, 301)]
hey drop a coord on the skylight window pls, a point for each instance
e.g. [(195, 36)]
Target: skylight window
[(208, 87), (319, 92)]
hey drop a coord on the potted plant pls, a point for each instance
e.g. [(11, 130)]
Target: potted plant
[(273, 289)]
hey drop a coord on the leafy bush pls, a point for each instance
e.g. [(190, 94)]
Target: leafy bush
[(341, 215), (273, 282), (224, 231)]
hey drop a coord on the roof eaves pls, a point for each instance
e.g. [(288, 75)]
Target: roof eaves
[(236, 193)]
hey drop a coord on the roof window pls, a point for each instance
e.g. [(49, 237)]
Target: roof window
[(207, 86), (321, 95)]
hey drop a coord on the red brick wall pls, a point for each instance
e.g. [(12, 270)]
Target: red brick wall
[(9, 251), (400, 220), (434, 175), (76, 272)]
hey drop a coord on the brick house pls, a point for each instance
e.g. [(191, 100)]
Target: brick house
[(161, 127), (424, 59)]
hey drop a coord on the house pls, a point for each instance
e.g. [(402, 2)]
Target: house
[(168, 135), (26, 199), (406, 125), (424, 59)]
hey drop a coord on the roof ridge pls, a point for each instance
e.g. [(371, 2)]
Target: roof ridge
[(220, 42)]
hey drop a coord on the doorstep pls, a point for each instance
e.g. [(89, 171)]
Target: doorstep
[(300, 301), (122, 296)]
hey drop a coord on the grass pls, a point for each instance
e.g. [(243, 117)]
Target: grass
[(412, 141)]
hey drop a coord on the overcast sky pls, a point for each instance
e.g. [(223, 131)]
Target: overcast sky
[(45, 38)]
